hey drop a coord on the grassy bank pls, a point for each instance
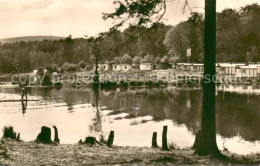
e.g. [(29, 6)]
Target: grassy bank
[(30, 153)]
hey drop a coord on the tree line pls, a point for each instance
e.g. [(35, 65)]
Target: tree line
[(238, 40)]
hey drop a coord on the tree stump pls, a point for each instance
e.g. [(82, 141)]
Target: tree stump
[(45, 135), (164, 138), (56, 136), (110, 139), (154, 140), (91, 141)]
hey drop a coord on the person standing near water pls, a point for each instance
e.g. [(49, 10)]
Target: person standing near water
[(24, 93)]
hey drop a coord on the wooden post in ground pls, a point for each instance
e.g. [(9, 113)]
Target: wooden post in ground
[(154, 140), (164, 138), (56, 136), (110, 139)]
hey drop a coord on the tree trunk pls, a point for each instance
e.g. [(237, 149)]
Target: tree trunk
[(164, 138), (206, 144), (110, 139), (154, 140), (96, 77)]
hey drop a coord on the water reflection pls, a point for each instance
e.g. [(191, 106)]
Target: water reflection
[(82, 112), (97, 121), (24, 106)]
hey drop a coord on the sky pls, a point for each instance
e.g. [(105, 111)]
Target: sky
[(80, 17)]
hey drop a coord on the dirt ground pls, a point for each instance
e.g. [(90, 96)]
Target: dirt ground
[(30, 153)]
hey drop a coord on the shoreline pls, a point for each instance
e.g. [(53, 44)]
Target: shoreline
[(31, 153)]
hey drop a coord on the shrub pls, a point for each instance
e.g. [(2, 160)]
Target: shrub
[(52, 68), (117, 59), (65, 67), (148, 59), (8, 132), (46, 81), (126, 59), (137, 60), (40, 71), (68, 67), (82, 64), (72, 67)]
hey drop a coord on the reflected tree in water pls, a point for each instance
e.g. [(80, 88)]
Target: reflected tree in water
[(24, 106), (97, 121)]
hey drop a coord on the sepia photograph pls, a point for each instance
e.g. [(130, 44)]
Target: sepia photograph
[(129, 82)]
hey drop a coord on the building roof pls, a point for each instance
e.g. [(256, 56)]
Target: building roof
[(198, 64), (254, 64), (246, 67), (145, 63), (230, 64), (117, 64)]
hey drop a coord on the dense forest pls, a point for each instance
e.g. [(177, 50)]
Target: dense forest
[(238, 40)]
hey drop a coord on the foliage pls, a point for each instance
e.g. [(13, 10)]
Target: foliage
[(188, 34), (68, 49), (137, 60), (72, 67), (40, 71), (46, 81), (8, 132), (157, 60), (118, 60), (126, 59), (52, 68), (165, 59), (143, 12), (148, 59), (65, 67), (82, 64), (238, 37)]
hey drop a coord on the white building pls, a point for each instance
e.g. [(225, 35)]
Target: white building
[(246, 71), (126, 67), (198, 67), (121, 67), (179, 66), (146, 66), (187, 66), (103, 66), (258, 67), (227, 68)]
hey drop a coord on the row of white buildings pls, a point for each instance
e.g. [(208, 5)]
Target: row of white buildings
[(128, 67), (251, 70)]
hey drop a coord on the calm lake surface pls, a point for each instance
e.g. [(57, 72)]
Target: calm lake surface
[(134, 114)]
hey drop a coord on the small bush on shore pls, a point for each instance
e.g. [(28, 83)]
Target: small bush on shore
[(64, 67), (173, 146), (72, 67), (82, 64), (8, 132), (102, 139), (52, 68)]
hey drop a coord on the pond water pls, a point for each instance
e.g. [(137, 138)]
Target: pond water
[(134, 114)]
